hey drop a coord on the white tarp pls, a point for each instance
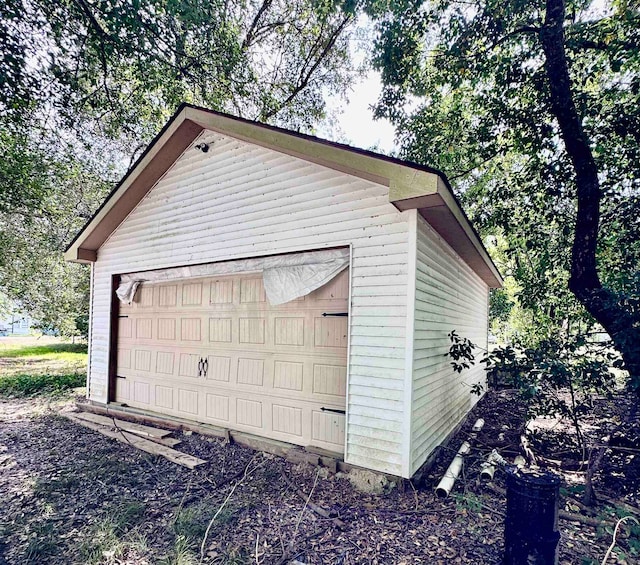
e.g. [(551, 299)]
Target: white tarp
[(286, 277)]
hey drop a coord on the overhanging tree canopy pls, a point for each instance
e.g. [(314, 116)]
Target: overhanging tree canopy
[(84, 84), (533, 108)]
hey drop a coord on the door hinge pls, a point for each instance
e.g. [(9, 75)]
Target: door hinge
[(333, 410)]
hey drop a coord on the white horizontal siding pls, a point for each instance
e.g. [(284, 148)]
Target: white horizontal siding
[(449, 296), (241, 200)]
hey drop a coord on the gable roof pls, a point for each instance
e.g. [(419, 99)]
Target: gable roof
[(410, 185)]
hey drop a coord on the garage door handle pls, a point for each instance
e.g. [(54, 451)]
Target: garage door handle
[(200, 367), (333, 410), (335, 314), (205, 366)]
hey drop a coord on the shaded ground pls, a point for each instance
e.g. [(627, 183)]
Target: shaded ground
[(69, 495)]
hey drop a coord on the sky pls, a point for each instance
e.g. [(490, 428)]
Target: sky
[(357, 123)]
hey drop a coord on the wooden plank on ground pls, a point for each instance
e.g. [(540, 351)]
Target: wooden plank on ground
[(138, 429), (140, 443)]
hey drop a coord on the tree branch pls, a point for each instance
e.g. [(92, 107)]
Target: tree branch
[(603, 304), (307, 71), (248, 39)]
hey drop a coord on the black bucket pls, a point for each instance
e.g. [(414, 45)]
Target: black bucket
[(531, 533)]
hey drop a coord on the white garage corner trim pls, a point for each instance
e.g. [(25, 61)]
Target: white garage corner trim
[(411, 300)]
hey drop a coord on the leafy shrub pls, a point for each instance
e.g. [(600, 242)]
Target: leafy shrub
[(560, 377)]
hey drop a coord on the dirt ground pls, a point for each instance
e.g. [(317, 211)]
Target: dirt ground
[(69, 495)]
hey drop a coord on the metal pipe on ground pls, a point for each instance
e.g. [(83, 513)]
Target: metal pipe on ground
[(453, 471)]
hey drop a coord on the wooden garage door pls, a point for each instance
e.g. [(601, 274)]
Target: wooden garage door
[(213, 350)]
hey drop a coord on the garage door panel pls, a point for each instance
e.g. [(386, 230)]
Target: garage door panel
[(217, 407), (249, 412), (192, 294), (251, 330), (330, 379), (124, 358), (214, 350), (219, 368), (191, 329), (165, 362), (250, 371), (167, 329), (221, 329), (336, 290), (164, 396), (188, 401), (288, 376), (330, 332), (144, 297), (189, 365), (142, 392), (286, 419), (221, 292), (125, 327), (252, 291), (123, 389), (142, 360), (328, 428), (168, 296), (289, 331)]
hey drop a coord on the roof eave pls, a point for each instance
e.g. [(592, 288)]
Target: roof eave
[(410, 185), (444, 214), (164, 150)]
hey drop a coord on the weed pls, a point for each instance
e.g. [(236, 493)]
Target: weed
[(128, 514), (55, 486), (469, 501), (192, 521), (42, 544), (107, 540), (183, 553)]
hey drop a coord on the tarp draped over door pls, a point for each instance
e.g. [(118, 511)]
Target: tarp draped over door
[(285, 277)]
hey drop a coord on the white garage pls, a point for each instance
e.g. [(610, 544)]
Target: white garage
[(276, 284)]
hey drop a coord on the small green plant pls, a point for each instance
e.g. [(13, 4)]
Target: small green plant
[(116, 535), (60, 485), (128, 514), (468, 501), (192, 521), (461, 352), (42, 545), (183, 553)]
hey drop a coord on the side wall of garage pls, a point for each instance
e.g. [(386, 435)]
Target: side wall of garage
[(241, 200), (449, 296)]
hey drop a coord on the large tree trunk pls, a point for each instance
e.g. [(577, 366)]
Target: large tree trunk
[(606, 306)]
